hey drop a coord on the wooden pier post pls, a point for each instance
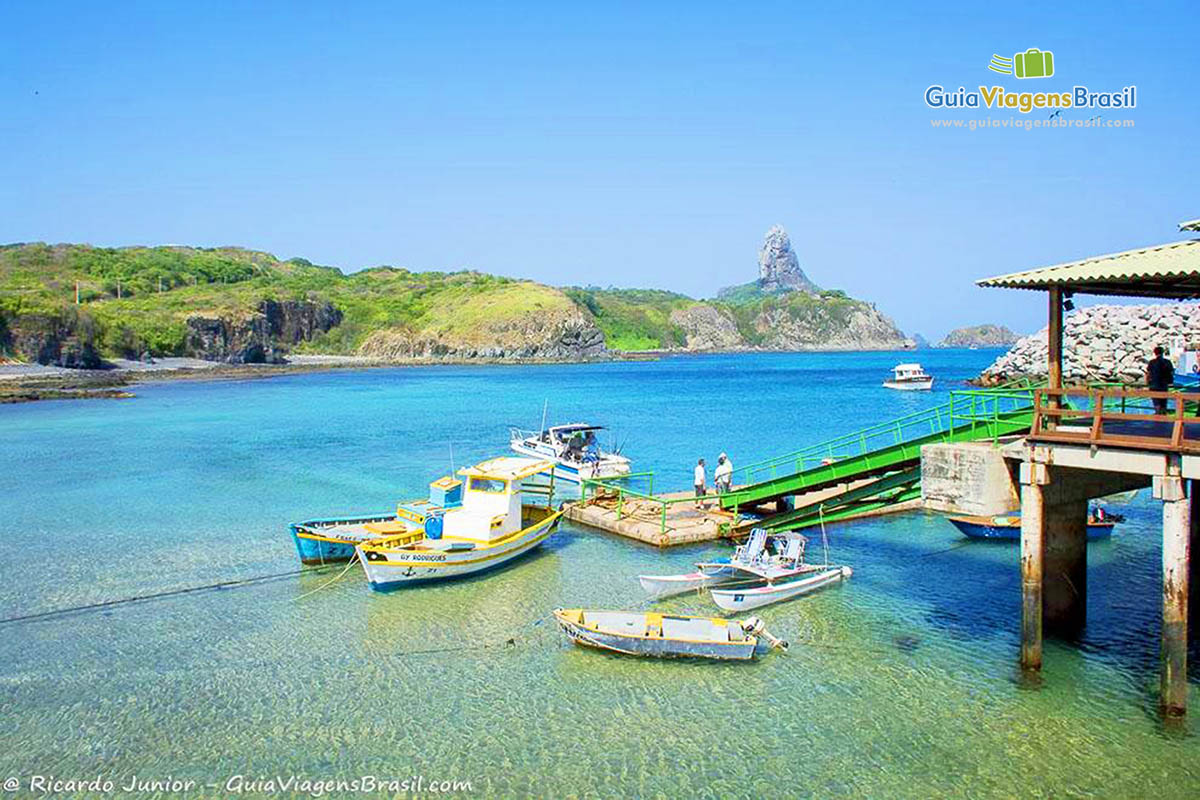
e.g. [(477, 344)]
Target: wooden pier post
[(1033, 478), (1177, 533)]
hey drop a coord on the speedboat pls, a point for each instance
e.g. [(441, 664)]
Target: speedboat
[(766, 569), (909, 378), (481, 523), (574, 450), (664, 635), (1008, 526)]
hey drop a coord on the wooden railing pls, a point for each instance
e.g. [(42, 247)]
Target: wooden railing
[(1117, 418)]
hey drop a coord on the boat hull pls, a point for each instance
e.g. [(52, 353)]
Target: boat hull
[(910, 386), (391, 569), (318, 543), (990, 528), (660, 586), (759, 596), (652, 646), (570, 471)]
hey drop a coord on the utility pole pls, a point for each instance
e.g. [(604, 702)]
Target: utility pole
[(76, 292), (118, 288)]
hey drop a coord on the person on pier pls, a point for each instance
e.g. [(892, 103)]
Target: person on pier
[(1160, 374), (723, 474), (699, 482)]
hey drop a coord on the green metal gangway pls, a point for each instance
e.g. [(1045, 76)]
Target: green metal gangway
[(879, 465)]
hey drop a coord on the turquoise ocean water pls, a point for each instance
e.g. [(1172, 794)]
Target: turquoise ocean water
[(901, 682)]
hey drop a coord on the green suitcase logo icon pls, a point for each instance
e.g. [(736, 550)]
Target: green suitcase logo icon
[(1033, 63)]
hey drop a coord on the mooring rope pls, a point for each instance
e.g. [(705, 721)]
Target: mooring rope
[(160, 595), (336, 578)]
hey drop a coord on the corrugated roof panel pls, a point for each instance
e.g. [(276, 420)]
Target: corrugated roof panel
[(1177, 262)]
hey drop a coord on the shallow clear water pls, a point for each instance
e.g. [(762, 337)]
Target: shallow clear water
[(901, 682)]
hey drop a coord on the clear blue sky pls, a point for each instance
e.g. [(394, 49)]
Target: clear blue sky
[(623, 144)]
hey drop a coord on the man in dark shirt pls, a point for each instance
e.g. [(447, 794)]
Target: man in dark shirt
[(1160, 374)]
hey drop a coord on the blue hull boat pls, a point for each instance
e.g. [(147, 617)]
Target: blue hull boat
[(1009, 527), (328, 541)]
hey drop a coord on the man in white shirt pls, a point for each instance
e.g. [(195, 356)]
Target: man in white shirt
[(699, 481), (723, 474)]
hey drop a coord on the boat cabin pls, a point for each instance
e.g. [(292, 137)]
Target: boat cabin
[(485, 505), (909, 372)]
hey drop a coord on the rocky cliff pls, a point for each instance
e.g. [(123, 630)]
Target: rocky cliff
[(779, 267), (705, 327), (262, 337), (1102, 343), (64, 338), (980, 336), (840, 324), (564, 335), (518, 320)]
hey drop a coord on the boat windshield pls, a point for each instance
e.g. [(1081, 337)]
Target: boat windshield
[(489, 485)]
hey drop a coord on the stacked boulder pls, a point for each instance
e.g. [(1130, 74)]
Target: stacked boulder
[(1103, 343)]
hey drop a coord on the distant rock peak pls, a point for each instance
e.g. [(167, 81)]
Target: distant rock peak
[(778, 267)]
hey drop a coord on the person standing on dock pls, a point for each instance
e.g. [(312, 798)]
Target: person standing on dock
[(1160, 374), (699, 481), (723, 474)]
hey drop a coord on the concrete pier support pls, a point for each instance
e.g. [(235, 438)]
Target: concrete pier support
[(1177, 534), (1034, 478), (1053, 556), (1064, 589)]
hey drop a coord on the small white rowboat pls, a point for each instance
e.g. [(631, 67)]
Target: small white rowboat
[(664, 635), (744, 599)]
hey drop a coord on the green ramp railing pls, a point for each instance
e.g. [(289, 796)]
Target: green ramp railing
[(970, 415)]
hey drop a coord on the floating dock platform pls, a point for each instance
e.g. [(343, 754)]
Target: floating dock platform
[(654, 522)]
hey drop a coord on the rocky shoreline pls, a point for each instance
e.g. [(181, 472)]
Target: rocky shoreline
[(1102, 343)]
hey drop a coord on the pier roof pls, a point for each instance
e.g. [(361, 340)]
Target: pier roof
[(1167, 270)]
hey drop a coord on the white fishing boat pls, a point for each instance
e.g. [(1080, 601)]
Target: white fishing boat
[(664, 635), (909, 378), (575, 450), (763, 555), (758, 596), (478, 523), (771, 567)]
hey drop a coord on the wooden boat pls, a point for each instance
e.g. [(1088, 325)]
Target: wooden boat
[(1008, 527), (758, 596), (664, 635), (490, 526), (909, 378)]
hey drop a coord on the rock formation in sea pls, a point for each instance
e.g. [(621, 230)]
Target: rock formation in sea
[(778, 266), (1102, 343), (980, 336)]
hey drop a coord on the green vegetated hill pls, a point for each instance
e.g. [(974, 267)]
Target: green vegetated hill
[(742, 317), (240, 305), (244, 305)]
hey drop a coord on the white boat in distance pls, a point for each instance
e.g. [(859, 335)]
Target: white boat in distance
[(573, 448), (910, 378)]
